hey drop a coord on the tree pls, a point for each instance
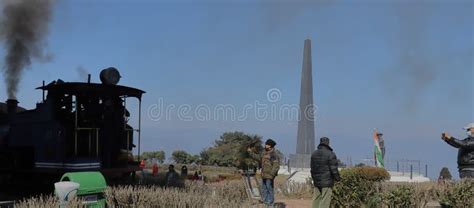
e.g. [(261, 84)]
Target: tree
[(444, 174), (181, 156), (158, 155), (231, 150), (205, 157), (194, 159)]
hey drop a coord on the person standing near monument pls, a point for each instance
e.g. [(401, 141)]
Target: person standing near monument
[(466, 151), (324, 172), (382, 144), (379, 149), (270, 163)]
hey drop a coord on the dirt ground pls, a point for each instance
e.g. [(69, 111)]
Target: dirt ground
[(294, 203), (286, 203), (304, 203)]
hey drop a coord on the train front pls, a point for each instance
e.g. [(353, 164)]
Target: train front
[(94, 133)]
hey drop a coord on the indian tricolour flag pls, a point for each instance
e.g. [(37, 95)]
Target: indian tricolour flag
[(377, 151)]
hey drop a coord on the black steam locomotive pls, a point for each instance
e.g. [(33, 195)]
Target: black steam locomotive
[(79, 126)]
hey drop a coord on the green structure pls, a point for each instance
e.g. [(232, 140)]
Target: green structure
[(91, 189)]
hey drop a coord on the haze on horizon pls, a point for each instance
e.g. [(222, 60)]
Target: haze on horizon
[(403, 67)]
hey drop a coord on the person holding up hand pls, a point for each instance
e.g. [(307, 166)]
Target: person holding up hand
[(466, 151)]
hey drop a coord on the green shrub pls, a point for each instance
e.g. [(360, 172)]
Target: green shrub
[(458, 194), (444, 174), (359, 186), (424, 193), (371, 173), (401, 196), (376, 200)]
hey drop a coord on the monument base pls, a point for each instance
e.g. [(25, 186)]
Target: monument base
[(300, 161)]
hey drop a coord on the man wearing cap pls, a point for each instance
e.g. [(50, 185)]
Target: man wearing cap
[(270, 164), (324, 172), (466, 151)]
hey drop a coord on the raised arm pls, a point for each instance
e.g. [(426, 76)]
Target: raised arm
[(463, 144)]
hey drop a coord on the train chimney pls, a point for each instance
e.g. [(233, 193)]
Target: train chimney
[(12, 105)]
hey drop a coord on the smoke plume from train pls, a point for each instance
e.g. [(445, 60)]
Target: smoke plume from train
[(23, 26)]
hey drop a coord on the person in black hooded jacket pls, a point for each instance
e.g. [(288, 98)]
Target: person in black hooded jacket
[(324, 172)]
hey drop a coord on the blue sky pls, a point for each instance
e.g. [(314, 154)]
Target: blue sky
[(402, 67)]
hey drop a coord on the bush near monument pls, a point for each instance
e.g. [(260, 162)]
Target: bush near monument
[(458, 194), (358, 186), (369, 173), (445, 174), (356, 190)]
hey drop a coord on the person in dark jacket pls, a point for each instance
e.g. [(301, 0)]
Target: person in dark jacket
[(184, 172), (172, 177), (324, 172), (270, 163), (465, 153)]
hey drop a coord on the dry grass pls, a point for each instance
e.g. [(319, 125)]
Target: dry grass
[(231, 193), (292, 190), (47, 202), (193, 195)]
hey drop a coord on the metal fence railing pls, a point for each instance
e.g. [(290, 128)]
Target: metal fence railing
[(407, 167)]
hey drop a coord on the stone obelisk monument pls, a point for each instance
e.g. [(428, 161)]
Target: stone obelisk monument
[(305, 137)]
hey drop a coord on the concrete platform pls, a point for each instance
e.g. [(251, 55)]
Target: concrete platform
[(300, 175)]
